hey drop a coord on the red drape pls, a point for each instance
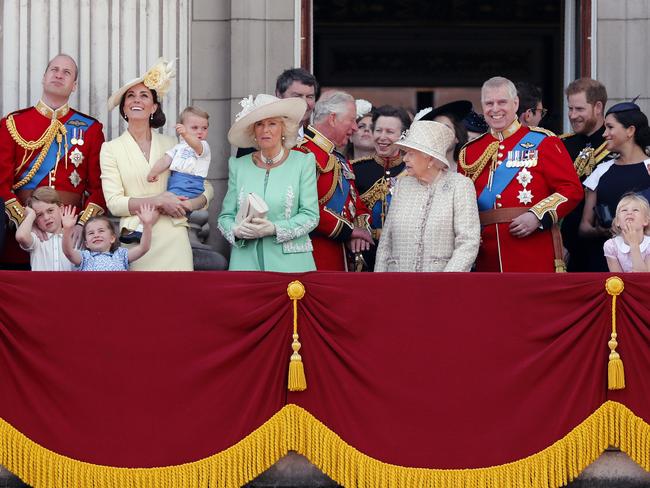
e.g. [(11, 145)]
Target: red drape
[(426, 370)]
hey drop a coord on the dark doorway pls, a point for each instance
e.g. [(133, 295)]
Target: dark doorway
[(418, 52)]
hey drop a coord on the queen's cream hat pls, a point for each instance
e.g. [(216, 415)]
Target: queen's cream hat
[(429, 137)]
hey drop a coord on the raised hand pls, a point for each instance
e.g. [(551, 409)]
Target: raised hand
[(181, 130), (147, 214), (68, 217)]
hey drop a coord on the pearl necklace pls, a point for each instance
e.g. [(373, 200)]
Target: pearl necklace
[(274, 159)]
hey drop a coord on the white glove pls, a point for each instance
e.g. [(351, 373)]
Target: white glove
[(254, 229), (240, 231), (262, 227)]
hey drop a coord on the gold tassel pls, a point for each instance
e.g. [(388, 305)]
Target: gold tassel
[(297, 380), (615, 371)]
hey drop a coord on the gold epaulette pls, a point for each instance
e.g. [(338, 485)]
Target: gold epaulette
[(15, 211), (549, 205), (565, 135), (542, 130), (92, 210), (358, 160)]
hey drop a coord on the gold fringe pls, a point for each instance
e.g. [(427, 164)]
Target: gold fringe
[(293, 428), (615, 371), (297, 380)]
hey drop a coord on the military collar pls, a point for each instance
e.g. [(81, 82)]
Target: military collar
[(319, 139), (389, 162), (507, 132), (51, 113)]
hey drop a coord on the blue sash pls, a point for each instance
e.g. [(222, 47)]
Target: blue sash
[(340, 196), (503, 175), (49, 162)]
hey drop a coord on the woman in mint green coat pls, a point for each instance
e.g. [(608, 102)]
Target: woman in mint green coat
[(284, 179)]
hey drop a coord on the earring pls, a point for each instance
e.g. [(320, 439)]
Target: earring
[(283, 138), (255, 139), (126, 117), (151, 117)]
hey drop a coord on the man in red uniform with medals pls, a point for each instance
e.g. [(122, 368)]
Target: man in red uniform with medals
[(50, 144), (525, 183), (344, 219)]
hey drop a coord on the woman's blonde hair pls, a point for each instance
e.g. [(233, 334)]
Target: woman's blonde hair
[(643, 203)]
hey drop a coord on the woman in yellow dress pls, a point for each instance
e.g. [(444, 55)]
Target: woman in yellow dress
[(126, 161)]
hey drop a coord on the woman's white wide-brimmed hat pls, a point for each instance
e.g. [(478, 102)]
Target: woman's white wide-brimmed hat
[(262, 107), (429, 137), (158, 77)]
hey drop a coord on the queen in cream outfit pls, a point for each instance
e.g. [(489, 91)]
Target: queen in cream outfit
[(126, 161), (433, 222)]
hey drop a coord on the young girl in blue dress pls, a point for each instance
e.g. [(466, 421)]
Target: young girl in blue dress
[(102, 250)]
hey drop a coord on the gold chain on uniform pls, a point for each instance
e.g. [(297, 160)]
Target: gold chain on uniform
[(55, 130), (474, 170)]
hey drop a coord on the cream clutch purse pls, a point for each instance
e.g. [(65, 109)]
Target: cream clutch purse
[(252, 206)]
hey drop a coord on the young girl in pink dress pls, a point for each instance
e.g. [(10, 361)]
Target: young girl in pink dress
[(629, 250)]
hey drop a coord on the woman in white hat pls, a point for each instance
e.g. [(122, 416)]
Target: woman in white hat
[(126, 161), (433, 222), (276, 177)]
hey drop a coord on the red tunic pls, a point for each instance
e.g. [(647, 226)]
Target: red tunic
[(341, 208), (78, 184), (553, 176)]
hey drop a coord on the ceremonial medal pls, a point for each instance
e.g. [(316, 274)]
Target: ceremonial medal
[(75, 179), (525, 196), (524, 177), (80, 140), (76, 157), (73, 141)]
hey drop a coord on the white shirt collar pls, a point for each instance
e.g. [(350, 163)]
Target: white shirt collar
[(624, 248)]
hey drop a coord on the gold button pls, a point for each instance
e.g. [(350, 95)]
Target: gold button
[(500, 155), (499, 205), (499, 196), (501, 146)]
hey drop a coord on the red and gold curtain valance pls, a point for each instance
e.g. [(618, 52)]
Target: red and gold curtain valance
[(180, 379)]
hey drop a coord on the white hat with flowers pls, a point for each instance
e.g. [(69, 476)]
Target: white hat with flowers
[(158, 77), (263, 106)]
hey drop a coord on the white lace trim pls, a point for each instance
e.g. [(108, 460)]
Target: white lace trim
[(284, 235), (288, 202)]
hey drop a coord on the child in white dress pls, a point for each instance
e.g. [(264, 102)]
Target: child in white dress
[(629, 250)]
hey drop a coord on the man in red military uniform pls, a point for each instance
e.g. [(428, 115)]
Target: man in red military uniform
[(344, 219), (525, 183), (50, 144)]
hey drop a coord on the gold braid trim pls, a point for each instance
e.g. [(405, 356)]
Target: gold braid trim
[(474, 170), (377, 191), (55, 131), (336, 171), (295, 429), (15, 211), (91, 210)]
